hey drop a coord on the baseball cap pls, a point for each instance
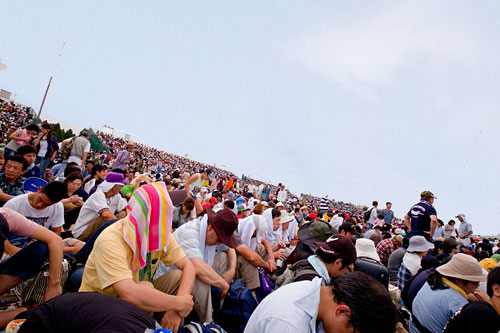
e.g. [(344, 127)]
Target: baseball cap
[(242, 207), (336, 246), (349, 227), (317, 231), (213, 200)]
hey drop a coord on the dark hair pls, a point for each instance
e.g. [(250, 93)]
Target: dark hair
[(71, 169), (368, 301), (493, 278), (95, 169), (72, 176), (189, 203), (225, 191), (380, 216), (229, 204), (406, 241), (72, 164), (123, 172), (33, 127), (451, 221), (90, 161), (375, 203), (48, 127), (435, 280), (56, 191), (26, 149), (440, 222), (275, 213), (18, 159), (448, 245)]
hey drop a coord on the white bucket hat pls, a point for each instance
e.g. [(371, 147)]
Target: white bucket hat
[(285, 217), (366, 248)]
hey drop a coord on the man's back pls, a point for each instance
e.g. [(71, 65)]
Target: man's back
[(292, 308)]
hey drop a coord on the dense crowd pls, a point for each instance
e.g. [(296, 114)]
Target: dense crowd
[(134, 239)]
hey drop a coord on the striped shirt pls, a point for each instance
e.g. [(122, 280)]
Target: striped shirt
[(323, 206), (188, 237)]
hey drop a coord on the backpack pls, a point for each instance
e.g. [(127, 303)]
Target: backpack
[(366, 215), (237, 307), (66, 147), (291, 274)]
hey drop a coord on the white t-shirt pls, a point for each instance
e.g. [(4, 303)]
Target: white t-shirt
[(89, 185), (43, 148), (52, 216), (93, 207)]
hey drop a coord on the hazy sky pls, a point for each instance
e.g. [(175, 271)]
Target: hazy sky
[(365, 100)]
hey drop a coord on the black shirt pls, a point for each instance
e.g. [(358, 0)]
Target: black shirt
[(474, 317), (86, 312)]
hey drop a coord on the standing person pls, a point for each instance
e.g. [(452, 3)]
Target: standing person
[(388, 213), (123, 157), (19, 138), (421, 219), (47, 146), (79, 150), (323, 205), (282, 194), (465, 229), (449, 229), (373, 214), (439, 233)]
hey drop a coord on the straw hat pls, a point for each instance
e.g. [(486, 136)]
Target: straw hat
[(463, 266)]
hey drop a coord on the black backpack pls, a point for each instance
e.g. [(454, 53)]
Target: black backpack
[(366, 215)]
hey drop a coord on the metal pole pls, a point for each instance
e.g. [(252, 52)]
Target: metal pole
[(50, 81), (44, 97)]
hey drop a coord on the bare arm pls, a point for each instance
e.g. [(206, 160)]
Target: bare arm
[(10, 249), (434, 224), (84, 158), (188, 276), (5, 197), (231, 270), (54, 243), (149, 299), (107, 215), (252, 257), (205, 273), (190, 181)]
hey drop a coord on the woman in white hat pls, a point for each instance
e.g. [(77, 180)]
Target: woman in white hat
[(445, 292)]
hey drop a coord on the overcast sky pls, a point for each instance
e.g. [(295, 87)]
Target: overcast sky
[(364, 100)]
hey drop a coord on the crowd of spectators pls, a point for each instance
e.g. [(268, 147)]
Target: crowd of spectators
[(133, 239)]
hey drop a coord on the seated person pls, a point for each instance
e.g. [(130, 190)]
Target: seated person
[(482, 316), (199, 239), (95, 178), (369, 261), (76, 197), (11, 181), (29, 154), (353, 302), (129, 251), (445, 292), (253, 250), (184, 213), (418, 248), (86, 312), (43, 207), (104, 205), (25, 263), (333, 257)]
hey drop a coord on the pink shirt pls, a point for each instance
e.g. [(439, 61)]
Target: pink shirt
[(18, 224)]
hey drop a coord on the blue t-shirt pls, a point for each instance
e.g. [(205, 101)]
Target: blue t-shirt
[(420, 216)]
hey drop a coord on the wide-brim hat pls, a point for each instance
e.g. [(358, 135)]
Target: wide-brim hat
[(224, 223), (463, 266), (285, 217)]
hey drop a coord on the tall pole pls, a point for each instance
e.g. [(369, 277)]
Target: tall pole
[(50, 81)]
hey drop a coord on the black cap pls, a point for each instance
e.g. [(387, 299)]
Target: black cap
[(349, 227), (337, 246)]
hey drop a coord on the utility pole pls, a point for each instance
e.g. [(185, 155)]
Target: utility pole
[(50, 81)]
